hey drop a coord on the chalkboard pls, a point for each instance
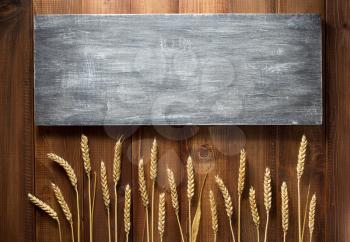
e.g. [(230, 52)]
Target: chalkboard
[(175, 69)]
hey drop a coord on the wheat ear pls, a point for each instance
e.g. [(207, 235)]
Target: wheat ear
[(190, 192), (161, 216), (214, 215), (64, 206), (254, 211), (153, 176), (267, 198), (312, 212), (116, 177), (144, 193), (240, 188), (106, 197), (127, 207), (84, 146), (228, 202), (47, 209), (175, 199), (73, 180), (284, 209), (300, 171)]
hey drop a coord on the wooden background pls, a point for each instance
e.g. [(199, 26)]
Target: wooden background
[(24, 168)]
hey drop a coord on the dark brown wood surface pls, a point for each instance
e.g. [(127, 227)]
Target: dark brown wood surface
[(16, 121), (24, 166)]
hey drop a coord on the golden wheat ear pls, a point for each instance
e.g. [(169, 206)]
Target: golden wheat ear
[(254, 211), (153, 176), (144, 193), (47, 209), (312, 212), (161, 216), (214, 215), (285, 209), (228, 202), (106, 196), (127, 208), (175, 199)]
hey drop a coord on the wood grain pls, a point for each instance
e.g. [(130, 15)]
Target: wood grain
[(337, 106), (276, 146), (243, 69), (16, 121)]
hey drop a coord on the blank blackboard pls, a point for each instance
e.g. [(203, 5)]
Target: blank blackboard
[(174, 69)]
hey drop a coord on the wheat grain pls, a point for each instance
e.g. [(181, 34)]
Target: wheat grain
[(267, 198), (104, 186), (241, 172), (161, 215), (312, 211), (225, 194), (43, 206), (253, 207), (254, 211), (174, 199), (228, 202), (214, 213), (301, 156), (190, 178), (47, 209), (174, 196), (143, 192), (127, 206), (73, 180), (85, 154), (154, 158), (190, 192), (84, 146), (66, 166), (116, 178), (240, 188), (267, 190), (117, 161), (142, 184), (300, 171), (62, 202), (153, 176), (285, 208)]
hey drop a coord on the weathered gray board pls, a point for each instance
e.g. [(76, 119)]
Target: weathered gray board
[(178, 69)]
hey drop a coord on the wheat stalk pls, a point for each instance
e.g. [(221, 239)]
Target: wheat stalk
[(190, 191), (153, 177), (285, 209), (47, 209), (161, 216), (106, 197), (73, 180), (312, 212), (116, 178), (64, 206), (214, 215), (228, 202), (127, 207), (254, 211), (240, 188), (267, 198), (87, 167), (300, 171), (144, 193), (174, 199)]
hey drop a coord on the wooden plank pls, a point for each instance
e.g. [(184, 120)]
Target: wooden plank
[(338, 113), (16, 121), (176, 69)]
